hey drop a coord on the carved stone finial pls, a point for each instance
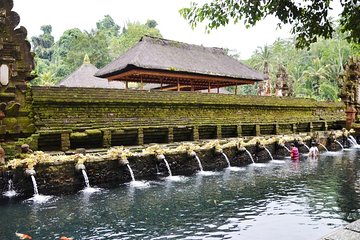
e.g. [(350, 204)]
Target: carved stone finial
[(86, 59)]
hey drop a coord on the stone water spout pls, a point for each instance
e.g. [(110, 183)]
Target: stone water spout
[(332, 138), (281, 143), (162, 158), (299, 142), (80, 167), (31, 172), (241, 148), (194, 155), (218, 149), (189, 149)]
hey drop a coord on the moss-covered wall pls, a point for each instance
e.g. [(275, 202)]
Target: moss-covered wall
[(76, 109), (67, 118)]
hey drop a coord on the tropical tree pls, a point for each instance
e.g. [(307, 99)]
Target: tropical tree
[(43, 44), (133, 32), (310, 19)]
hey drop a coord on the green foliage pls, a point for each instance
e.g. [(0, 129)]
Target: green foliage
[(56, 60), (43, 44), (151, 23), (309, 18), (131, 35), (312, 72)]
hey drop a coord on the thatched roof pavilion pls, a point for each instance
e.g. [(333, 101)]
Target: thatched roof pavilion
[(84, 77), (178, 66)]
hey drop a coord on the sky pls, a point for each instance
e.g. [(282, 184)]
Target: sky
[(83, 14)]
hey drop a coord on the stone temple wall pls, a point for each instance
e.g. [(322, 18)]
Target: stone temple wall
[(70, 118)]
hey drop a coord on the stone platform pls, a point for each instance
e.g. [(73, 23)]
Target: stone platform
[(349, 232)]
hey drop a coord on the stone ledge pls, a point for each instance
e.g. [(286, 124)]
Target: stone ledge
[(349, 232)]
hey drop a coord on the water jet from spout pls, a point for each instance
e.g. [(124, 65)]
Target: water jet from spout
[(323, 146), (168, 167), (227, 159), (342, 147)]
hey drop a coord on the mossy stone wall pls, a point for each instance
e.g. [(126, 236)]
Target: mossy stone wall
[(103, 117)]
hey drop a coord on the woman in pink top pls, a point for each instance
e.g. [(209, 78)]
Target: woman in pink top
[(294, 152)]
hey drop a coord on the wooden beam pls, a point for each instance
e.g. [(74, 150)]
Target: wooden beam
[(175, 87), (136, 73)]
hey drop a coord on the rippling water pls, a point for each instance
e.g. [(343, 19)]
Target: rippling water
[(291, 200)]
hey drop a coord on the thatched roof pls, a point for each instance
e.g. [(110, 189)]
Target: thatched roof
[(84, 77), (156, 60)]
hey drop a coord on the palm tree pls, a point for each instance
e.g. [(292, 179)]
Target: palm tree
[(313, 77)]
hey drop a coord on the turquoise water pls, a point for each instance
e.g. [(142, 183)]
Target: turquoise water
[(277, 200)]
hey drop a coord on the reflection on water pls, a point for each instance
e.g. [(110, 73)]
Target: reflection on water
[(294, 200)]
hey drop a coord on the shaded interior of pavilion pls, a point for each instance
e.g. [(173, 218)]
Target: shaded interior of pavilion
[(160, 80)]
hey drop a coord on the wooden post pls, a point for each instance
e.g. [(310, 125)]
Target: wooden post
[(294, 127), (209, 88), (142, 83), (126, 85), (236, 89), (218, 90), (178, 85)]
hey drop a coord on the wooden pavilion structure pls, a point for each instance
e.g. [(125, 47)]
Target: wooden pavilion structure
[(178, 66)]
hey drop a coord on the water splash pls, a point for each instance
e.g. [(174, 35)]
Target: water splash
[(36, 191), (134, 183), (202, 172), (323, 146), (252, 159), (227, 159), (10, 192), (176, 178), (272, 159), (88, 189), (37, 198), (168, 167), (342, 147), (199, 162), (86, 179)]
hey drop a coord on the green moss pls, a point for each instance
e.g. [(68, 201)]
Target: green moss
[(78, 135), (93, 132)]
